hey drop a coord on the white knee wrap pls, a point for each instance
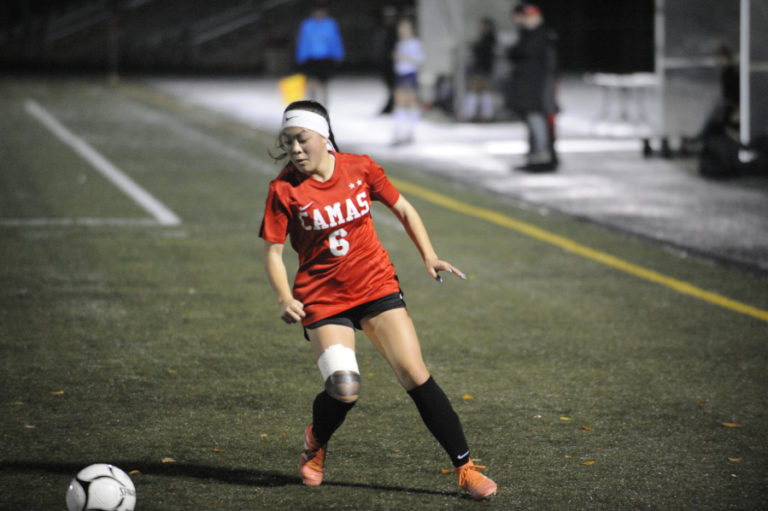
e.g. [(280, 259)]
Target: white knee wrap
[(337, 358), (341, 375)]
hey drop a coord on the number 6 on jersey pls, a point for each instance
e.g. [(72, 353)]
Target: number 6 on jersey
[(339, 246)]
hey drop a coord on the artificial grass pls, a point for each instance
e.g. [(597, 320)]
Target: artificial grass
[(159, 349)]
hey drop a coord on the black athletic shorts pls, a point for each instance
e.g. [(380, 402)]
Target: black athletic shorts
[(353, 316), (319, 69)]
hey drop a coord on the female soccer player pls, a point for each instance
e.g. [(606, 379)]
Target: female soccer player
[(345, 280)]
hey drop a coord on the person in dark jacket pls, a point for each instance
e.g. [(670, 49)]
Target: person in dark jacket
[(718, 140), (531, 94), (726, 109), (478, 103), (387, 40)]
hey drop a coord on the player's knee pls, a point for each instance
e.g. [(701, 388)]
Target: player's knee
[(338, 366), (343, 385)]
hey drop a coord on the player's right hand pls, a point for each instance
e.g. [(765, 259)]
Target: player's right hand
[(292, 311)]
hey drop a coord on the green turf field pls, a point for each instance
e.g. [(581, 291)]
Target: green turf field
[(590, 370)]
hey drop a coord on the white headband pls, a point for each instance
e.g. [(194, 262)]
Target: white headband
[(306, 119)]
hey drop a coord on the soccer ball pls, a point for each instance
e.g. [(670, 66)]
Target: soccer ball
[(101, 487)]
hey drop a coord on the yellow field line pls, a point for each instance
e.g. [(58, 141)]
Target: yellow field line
[(577, 248), (534, 232)]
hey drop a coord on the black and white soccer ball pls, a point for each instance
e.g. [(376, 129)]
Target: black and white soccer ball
[(101, 487)]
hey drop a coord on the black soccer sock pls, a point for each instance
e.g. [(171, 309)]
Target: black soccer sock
[(441, 420), (327, 415)]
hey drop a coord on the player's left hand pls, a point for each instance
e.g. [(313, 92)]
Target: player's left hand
[(437, 266)]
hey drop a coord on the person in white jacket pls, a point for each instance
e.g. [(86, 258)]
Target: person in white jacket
[(408, 57)]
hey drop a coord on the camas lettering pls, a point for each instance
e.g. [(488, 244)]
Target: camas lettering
[(338, 213)]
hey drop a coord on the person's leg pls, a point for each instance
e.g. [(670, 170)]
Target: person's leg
[(389, 81), (333, 346), (334, 349), (487, 109), (469, 108), (322, 92), (485, 105), (414, 112), (394, 336), (400, 115), (537, 123), (552, 130), (313, 86), (541, 157)]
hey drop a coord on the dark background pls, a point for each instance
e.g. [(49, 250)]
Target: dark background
[(258, 35)]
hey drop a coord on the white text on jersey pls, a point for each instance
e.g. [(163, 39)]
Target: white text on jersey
[(334, 215)]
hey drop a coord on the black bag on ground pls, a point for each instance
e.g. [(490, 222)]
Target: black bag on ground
[(719, 156)]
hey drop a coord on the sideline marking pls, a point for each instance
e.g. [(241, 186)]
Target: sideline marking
[(87, 222), (139, 195), (577, 248), (553, 239)]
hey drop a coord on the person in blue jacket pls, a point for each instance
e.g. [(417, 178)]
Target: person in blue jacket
[(319, 49)]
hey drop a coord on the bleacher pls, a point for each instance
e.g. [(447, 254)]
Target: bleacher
[(168, 35)]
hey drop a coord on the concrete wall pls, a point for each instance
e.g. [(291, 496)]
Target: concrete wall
[(447, 29)]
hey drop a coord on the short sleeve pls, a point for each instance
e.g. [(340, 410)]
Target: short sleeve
[(381, 188), (274, 225)]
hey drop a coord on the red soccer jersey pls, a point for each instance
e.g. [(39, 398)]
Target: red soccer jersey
[(342, 263)]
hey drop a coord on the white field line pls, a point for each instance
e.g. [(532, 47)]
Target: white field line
[(86, 222), (198, 139), (143, 198)]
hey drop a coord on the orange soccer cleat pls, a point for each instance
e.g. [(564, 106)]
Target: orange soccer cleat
[(471, 480), (312, 459)]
